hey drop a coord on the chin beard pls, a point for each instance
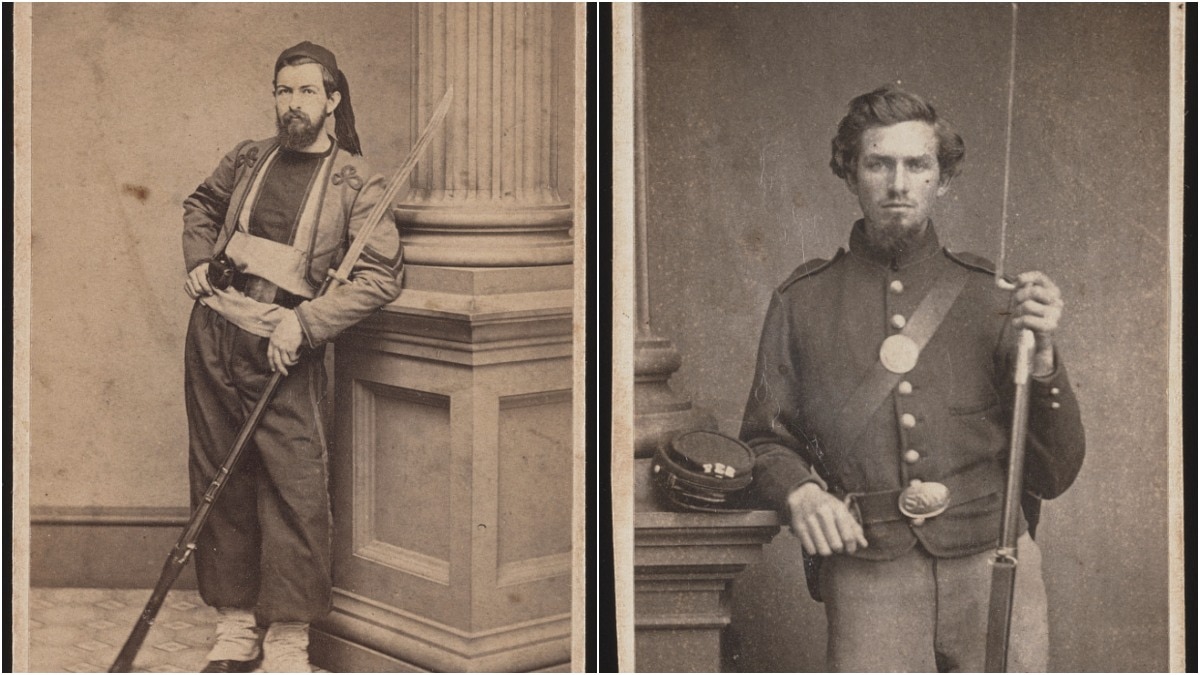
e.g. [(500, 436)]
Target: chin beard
[(295, 132), (893, 238)]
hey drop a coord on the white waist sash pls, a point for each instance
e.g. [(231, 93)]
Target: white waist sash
[(252, 316), (280, 264)]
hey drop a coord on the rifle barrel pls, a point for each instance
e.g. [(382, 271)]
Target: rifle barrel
[(1016, 449), (1004, 565)]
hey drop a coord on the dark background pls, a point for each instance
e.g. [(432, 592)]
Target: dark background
[(742, 104)]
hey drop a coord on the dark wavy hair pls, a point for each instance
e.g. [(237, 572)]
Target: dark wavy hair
[(884, 107)]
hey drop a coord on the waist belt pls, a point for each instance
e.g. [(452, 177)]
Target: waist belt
[(884, 507), (242, 281)]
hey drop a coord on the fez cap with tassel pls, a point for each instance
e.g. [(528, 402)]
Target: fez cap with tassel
[(347, 137)]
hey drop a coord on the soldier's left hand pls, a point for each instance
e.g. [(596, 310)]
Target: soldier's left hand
[(1039, 307), (284, 348)]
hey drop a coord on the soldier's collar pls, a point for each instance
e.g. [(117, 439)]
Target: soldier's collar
[(927, 245)]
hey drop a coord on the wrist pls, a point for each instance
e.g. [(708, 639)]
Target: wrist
[(802, 492), (1043, 361)]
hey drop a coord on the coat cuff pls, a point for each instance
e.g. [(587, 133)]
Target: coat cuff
[(299, 311), (192, 268), (777, 473), (1048, 391)]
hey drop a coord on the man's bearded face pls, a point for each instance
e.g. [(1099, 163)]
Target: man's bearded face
[(301, 105), (296, 130), (897, 181)]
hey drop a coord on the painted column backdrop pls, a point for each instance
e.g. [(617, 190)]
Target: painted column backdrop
[(742, 104)]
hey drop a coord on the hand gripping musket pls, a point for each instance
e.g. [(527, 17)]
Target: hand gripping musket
[(1004, 564), (186, 544)]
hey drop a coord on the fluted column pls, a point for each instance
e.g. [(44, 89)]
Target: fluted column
[(659, 413), (453, 476), (488, 194), (684, 563)]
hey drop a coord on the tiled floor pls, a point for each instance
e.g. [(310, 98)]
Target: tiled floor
[(80, 630)]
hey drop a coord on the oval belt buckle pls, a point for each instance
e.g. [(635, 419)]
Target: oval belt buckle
[(924, 500)]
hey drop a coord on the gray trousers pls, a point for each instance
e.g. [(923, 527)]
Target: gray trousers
[(267, 544), (918, 613)]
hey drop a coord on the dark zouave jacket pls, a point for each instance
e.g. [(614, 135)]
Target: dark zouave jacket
[(341, 196), (947, 419)]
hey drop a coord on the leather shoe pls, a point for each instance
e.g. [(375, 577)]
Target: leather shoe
[(230, 666)]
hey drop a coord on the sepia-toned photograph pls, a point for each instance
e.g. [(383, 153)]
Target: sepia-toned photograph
[(299, 329), (896, 337)]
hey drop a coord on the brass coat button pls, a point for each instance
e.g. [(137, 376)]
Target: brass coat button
[(905, 388), (912, 456), (896, 286), (908, 421), (898, 321)]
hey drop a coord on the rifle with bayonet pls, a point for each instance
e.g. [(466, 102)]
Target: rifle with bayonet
[(1004, 564)]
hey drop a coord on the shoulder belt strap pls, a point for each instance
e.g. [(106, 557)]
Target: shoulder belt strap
[(874, 389), (975, 262), (810, 268)]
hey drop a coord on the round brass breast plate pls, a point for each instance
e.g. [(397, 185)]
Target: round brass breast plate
[(899, 354)]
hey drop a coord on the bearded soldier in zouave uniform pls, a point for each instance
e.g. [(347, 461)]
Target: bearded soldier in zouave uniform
[(259, 236), (880, 410)]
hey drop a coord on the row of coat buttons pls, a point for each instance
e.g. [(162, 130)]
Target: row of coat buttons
[(907, 420), (898, 320)]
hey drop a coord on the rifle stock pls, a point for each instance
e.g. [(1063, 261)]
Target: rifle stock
[(170, 572)]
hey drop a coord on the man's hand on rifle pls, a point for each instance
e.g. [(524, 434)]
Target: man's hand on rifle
[(823, 522), (284, 348), (1039, 307), (197, 284)]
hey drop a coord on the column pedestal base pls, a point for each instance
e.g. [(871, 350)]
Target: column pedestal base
[(451, 473), (684, 564)]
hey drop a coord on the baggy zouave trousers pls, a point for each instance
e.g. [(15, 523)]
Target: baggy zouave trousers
[(266, 546)]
